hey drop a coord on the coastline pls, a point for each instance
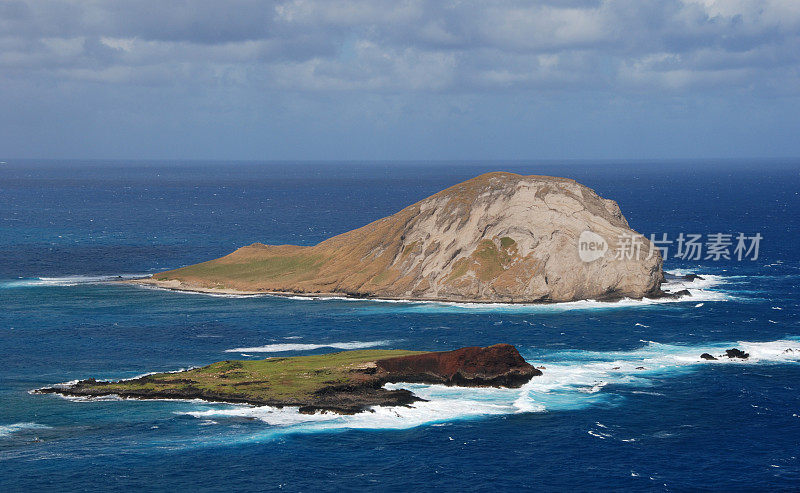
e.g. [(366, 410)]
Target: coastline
[(344, 382), (180, 286), (176, 285), (358, 399)]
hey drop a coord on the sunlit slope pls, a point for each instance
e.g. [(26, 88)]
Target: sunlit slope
[(498, 237)]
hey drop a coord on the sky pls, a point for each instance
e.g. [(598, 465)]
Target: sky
[(399, 79)]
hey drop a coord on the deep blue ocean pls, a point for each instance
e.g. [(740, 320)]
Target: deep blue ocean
[(624, 403)]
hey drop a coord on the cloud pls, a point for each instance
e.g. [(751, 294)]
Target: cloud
[(407, 45), (399, 78)]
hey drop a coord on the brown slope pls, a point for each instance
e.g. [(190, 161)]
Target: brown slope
[(497, 237)]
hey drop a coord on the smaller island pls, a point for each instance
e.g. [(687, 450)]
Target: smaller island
[(346, 382)]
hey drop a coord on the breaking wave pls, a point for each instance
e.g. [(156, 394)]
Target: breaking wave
[(278, 348), (701, 290), (10, 429), (65, 281), (571, 379), (422, 413)]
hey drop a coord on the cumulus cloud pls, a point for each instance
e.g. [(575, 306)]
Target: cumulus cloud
[(406, 45)]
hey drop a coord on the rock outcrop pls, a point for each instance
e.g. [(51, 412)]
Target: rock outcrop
[(499, 237), (736, 353), (733, 353), (498, 365)]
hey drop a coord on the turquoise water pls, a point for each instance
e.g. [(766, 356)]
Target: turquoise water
[(625, 401)]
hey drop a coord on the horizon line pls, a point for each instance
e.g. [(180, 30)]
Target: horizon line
[(470, 161)]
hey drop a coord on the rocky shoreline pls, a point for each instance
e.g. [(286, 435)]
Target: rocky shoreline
[(180, 286), (347, 382)]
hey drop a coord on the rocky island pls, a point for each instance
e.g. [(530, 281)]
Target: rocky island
[(499, 237), (345, 382)]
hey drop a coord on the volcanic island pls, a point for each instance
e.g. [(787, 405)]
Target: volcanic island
[(497, 238), (346, 382)]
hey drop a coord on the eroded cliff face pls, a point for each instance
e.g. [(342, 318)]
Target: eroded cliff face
[(492, 366), (499, 237)]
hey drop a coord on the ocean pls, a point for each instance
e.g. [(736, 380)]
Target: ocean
[(625, 402)]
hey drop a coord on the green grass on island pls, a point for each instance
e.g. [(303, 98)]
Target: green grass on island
[(294, 266), (271, 379)]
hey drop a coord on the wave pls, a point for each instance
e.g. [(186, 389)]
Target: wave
[(65, 281), (707, 281), (10, 429), (203, 293), (289, 419), (70, 383), (572, 379), (277, 348), (697, 296), (701, 290), (588, 373)]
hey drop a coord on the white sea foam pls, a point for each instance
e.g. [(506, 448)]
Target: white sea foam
[(707, 281), (400, 417), (65, 281), (66, 385), (776, 351), (700, 290), (441, 306), (572, 379), (200, 293), (99, 398), (277, 348), (10, 429)]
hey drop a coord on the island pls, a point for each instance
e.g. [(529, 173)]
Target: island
[(345, 382), (499, 237)]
